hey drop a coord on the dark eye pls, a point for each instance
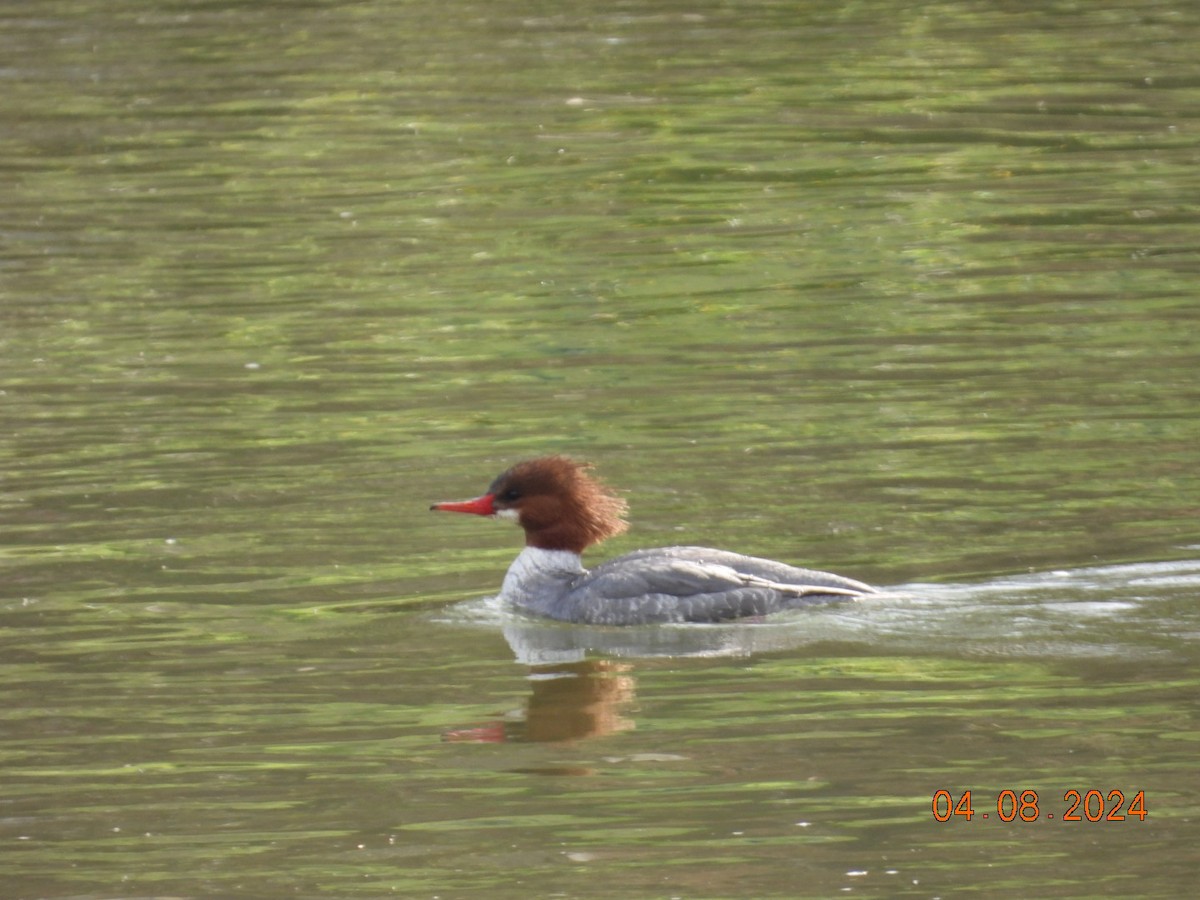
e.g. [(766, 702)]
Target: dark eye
[(511, 495)]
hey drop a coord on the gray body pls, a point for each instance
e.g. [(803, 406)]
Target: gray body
[(666, 584)]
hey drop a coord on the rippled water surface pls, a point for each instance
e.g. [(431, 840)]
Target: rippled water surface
[(905, 291)]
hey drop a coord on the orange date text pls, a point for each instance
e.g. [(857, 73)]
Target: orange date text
[(1028, 806)]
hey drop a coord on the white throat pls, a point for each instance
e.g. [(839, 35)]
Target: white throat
[(539, 576)]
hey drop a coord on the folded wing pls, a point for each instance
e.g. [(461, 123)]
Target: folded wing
[(697, 584)]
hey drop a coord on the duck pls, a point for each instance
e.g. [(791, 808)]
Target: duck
[(564, 509)]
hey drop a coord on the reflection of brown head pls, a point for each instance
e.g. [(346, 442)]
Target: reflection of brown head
[(579, 700), (569, 702)]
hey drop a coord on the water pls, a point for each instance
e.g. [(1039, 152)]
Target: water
[(905, 292)]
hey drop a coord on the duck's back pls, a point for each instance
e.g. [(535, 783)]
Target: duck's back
[(694, 584)]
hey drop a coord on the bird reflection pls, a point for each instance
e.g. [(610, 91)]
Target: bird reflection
[(568, 701)]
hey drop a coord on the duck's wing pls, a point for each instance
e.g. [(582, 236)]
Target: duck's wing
[(766, 569), (694, 584)]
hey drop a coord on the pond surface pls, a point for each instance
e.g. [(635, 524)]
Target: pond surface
[(903, 291)]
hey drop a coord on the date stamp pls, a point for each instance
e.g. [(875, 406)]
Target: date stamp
[(1027, 806)]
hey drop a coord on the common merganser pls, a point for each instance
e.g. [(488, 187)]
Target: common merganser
[(564, 510)]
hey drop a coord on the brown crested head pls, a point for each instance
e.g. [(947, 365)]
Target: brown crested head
[(559, 503)]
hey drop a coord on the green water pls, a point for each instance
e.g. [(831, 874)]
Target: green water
[(902, 291)]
